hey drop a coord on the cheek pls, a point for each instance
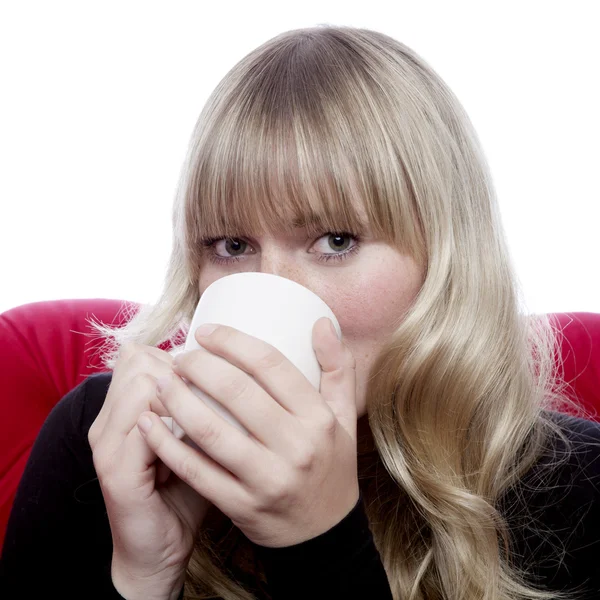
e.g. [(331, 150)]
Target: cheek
[(207, 276), (372, 305), (366, 311), (369, 309)]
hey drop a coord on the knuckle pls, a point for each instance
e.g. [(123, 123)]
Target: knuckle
[(209, 435), (188, 470), (328, 422), (305, 458), (278, 491), (128, 349), (341, 374), (140, 361), (269, 358), (192, 360), (183, 358), (143, 384), (236, 388), (248, 506)]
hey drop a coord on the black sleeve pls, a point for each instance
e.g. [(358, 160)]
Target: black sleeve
[(340, 563), (558, 539), (574, 510), (58, 541), (560, 547)]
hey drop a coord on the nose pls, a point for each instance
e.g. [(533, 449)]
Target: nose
[(282, 264)]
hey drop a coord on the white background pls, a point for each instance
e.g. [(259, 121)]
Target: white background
[(98, 100)]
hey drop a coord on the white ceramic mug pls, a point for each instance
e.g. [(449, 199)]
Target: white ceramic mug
[(276, 310)]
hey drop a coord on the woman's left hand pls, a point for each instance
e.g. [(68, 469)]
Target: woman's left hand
[(295, 476)]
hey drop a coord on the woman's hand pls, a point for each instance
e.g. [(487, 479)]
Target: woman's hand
[(295, 476), (153, 517)]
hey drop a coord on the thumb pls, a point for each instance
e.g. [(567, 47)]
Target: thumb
[(338, 376)]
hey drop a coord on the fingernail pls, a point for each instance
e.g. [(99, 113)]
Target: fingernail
[(144, 424), (333, 330), (205, 329)]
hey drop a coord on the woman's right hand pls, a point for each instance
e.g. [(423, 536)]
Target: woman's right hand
[(153, 517)]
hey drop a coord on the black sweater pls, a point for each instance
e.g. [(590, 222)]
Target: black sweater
[(58, 541)]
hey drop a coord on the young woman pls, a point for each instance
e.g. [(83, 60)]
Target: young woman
[(434, 463)]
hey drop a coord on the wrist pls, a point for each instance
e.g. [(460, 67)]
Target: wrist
[(135, 586)]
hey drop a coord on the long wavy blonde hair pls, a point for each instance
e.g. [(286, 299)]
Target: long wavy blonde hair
[(336, 120)]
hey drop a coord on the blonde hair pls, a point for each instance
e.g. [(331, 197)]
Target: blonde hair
[(332, 124)]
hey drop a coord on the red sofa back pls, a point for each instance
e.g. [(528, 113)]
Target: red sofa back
[(45, 353)]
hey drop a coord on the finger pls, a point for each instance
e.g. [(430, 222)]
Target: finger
[(133, 359), (275, 373), (237, 452), (137, 459), (191, 505), (138, 395), (141, 467), (239, 393), (162, 471), (199, 471), (338, 377)]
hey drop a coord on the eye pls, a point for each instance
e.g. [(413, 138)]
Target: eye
[(228, 247), (336, 246), (225, 251), (336, 242)]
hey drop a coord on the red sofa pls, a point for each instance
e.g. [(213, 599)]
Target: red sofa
[(44, 354)]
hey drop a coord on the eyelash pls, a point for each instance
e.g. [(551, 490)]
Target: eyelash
[(209, 244)]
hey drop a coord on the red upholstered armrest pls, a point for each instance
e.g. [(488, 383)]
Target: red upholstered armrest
[(580, 352), (43, 357)]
